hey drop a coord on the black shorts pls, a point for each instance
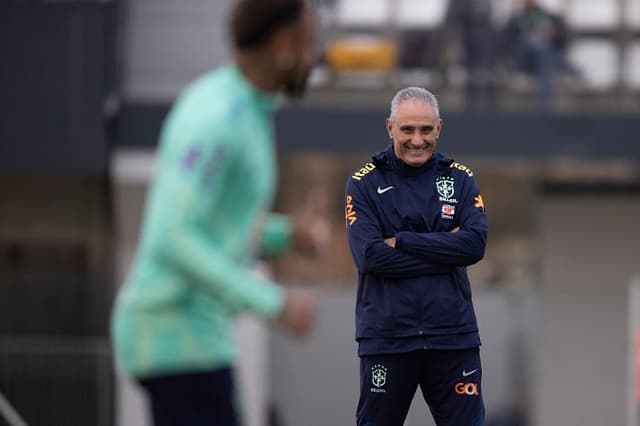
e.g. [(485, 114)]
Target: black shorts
[(194, 399), (450, 380)]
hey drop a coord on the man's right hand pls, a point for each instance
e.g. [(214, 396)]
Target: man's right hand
[(311, 234), (311, 229), (299, 312)]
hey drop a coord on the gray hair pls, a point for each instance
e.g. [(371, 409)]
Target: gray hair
[(414, 94)]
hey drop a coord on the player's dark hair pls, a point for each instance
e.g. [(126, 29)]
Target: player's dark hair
[(254, 21)]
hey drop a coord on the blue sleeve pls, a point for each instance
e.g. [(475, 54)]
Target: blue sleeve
[(370, 254), (462, 248)]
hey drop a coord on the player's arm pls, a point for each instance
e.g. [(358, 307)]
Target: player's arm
[(464, 247), (370, 254), (191, 189), (306, 231)]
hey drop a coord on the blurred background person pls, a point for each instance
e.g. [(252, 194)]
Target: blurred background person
[(206, 218), (470, 21), (536, 41)]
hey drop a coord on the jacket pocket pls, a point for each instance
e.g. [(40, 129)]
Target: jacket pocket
[(388, 308)]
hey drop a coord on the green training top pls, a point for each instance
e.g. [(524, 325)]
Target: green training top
[(205, 219)]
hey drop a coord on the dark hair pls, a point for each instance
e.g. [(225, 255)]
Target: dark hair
[(254, 21)]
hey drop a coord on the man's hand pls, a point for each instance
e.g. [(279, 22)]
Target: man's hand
[(456, 229), (311, 230), (299, 312)]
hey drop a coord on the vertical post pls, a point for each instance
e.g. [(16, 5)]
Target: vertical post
[(633, 363)]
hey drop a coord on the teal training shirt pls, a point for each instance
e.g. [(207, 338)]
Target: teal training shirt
[(205, 219)]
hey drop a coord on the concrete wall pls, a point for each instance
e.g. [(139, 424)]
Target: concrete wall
[(591, 250)]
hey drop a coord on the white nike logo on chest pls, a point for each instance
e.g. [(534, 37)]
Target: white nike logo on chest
[(383, 190)]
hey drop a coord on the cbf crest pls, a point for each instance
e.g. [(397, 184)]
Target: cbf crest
[(378, 377), (445, 187)]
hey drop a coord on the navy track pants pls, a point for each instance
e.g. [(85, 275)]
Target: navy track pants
[(450, 380)]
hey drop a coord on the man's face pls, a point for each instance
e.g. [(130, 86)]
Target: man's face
[(302, 46), (415, 131)]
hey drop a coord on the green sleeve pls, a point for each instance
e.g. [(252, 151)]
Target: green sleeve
[(188, 248), (276, 235), (189, 189)]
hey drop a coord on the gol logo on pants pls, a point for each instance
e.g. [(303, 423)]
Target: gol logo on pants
[(466, 388)]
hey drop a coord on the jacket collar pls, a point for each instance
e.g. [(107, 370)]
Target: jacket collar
[(387, 160)]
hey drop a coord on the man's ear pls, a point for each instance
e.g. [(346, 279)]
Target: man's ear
[(440, 125), (389, 125), (282, 46)]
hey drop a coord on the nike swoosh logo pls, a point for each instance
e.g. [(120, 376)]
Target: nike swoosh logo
[(466, 374), (383, 190)]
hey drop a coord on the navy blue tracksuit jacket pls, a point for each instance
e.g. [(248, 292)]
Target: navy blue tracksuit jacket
[(416, 295)]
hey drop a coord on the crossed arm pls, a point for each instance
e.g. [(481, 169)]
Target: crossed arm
[(408, 253)]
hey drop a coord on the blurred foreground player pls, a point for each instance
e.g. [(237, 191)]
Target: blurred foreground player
[(415, 221), (206, 218)]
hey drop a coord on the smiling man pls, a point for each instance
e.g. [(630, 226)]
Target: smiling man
[(415, 221)]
